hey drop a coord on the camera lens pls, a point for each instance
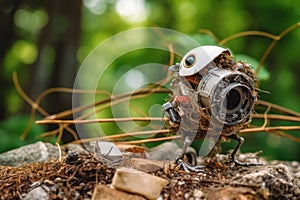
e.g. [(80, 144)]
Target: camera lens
[(233, 99), (228, 94)]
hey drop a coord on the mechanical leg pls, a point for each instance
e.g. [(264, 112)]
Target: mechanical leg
[(180, 160), (240, 141)]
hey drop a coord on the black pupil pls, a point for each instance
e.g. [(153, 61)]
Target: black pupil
[(233, 99), (190, 60)]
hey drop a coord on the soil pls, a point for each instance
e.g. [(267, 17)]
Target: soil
[(75, 178)]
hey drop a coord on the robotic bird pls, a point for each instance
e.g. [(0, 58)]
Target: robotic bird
[(213, 97)]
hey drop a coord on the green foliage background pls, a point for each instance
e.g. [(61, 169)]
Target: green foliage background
[(100, 19)]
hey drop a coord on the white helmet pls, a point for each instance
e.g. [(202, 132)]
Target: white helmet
[(196, 59)]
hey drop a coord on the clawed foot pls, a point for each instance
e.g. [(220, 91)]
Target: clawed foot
[(188, 168), (245, 164), (232, 157)]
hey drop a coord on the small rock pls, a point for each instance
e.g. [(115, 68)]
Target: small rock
[(58, 179), (297, 175), (76, 148), (187, 195), (198, 193), (160, 198), (165, 151), (107, 150), (35, 184), (138, 182), (169, 151), (180, 183), (37, 152), (102, 192), (37, 194), (297, 192), (143, 164)]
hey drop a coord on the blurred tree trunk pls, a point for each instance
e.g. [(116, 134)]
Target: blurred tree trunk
[(7, 11), (57, 46)]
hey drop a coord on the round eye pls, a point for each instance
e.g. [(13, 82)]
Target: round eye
[(189, 61)]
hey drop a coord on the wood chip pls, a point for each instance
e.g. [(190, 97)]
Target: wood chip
[(102, 192), (138, 182)]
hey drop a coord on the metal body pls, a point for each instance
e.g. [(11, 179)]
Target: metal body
[(228, 95), (217, 84)]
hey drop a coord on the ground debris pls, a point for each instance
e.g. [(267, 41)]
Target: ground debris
[(138, 182), (102, 192), (78, 179), (64, 180), (233, 193)]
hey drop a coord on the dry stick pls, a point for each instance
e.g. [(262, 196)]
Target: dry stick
[(158, 89), (124, 97), (274, 130), (25, 96), (115, 99), (137, 110), (60, 133), (53, 132), (171, 50), (120, 136), (59, 152), (277, 117), (174, 137), (266, 116), (288, 136), (273, 43), (58, 130), (35, 104), (70, 112), (87, 121), (278, 132), (275, 38), (278, 108), (269, 129), (69, 90), (248, 33), (211, 34), (137, 95), (259, 116), (72, 132)]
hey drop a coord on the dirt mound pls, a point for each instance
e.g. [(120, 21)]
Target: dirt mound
[(76, 178)]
